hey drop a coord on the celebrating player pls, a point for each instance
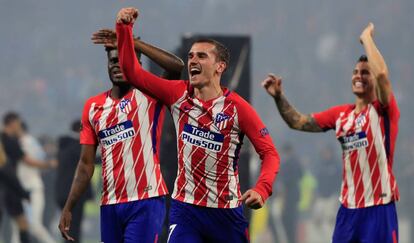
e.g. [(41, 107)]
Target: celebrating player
[(126, 124), (210, 123), (367, 131)]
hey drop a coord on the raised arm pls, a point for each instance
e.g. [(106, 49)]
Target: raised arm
[(290, 115), (377, 64), (172, 64), (83, 175), (166, 91)]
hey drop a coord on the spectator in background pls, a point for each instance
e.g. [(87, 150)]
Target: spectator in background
[(30, 177), (8, 180), (12, 200), (291, 172), (69, 150), (3, 159), (328, 176)]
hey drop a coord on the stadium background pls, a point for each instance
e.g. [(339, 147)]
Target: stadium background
[(48, 67)]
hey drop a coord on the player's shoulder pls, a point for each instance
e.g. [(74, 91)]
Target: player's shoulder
[(99, 98), (235, 98), (241, 104), (342, 108)]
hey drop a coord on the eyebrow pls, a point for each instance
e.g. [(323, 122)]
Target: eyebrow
[(196, 52)]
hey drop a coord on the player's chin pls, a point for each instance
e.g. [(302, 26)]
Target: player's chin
[(194, 82), (119, 81), (358, 90)]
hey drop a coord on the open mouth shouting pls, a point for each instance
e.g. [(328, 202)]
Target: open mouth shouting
[(194, 70)]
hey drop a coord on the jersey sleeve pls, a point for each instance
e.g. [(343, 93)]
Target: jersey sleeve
[(87, 133), (256, 131), (391, 109), (162, 89), (326, 120)]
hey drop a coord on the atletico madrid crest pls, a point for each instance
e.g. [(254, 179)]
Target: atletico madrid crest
[(125, 106), (221, 120), (360, 121)]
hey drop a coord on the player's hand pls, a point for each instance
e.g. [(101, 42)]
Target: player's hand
[(368, 32), (252, 199), (106, 37), (127, 15), (64, 224), (273, 85)]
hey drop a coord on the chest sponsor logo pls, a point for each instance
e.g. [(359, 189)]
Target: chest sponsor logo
[(202, 138), (354, 141), (117, 133), (221, 120), (125, 105)]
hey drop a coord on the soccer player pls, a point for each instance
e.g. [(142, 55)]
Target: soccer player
[(210, 123), (126, 124), (367, 131)]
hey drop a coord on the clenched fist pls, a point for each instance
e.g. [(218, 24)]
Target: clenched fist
[(127, 15)]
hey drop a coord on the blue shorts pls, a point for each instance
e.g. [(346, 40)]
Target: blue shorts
[(131, 222), (376, 224), (195, 224)]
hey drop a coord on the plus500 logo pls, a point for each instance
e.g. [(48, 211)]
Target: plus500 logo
[(117, 133), (202, 138)]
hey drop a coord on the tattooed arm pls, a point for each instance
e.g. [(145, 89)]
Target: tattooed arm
[(290, 115)]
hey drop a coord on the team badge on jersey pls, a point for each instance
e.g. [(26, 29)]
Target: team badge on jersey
[(264, 132), (221, 120), (360, 121), (125, 105)]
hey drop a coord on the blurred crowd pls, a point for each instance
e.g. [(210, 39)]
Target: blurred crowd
[(35, 179)]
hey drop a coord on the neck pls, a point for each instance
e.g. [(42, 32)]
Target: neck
[(208, 92), (119, 91), (362, 102)]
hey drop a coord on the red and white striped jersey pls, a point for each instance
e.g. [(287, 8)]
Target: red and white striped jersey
[(127, 132), (368, 140), (209, 135)]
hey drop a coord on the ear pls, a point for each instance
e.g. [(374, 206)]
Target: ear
[(221, 67)]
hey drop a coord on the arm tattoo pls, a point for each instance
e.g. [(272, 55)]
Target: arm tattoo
[(310, 125), (294, 118)]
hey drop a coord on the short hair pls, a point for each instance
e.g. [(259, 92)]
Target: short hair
[(362, 58), (137, 53), (223, 54), (10, 117)]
